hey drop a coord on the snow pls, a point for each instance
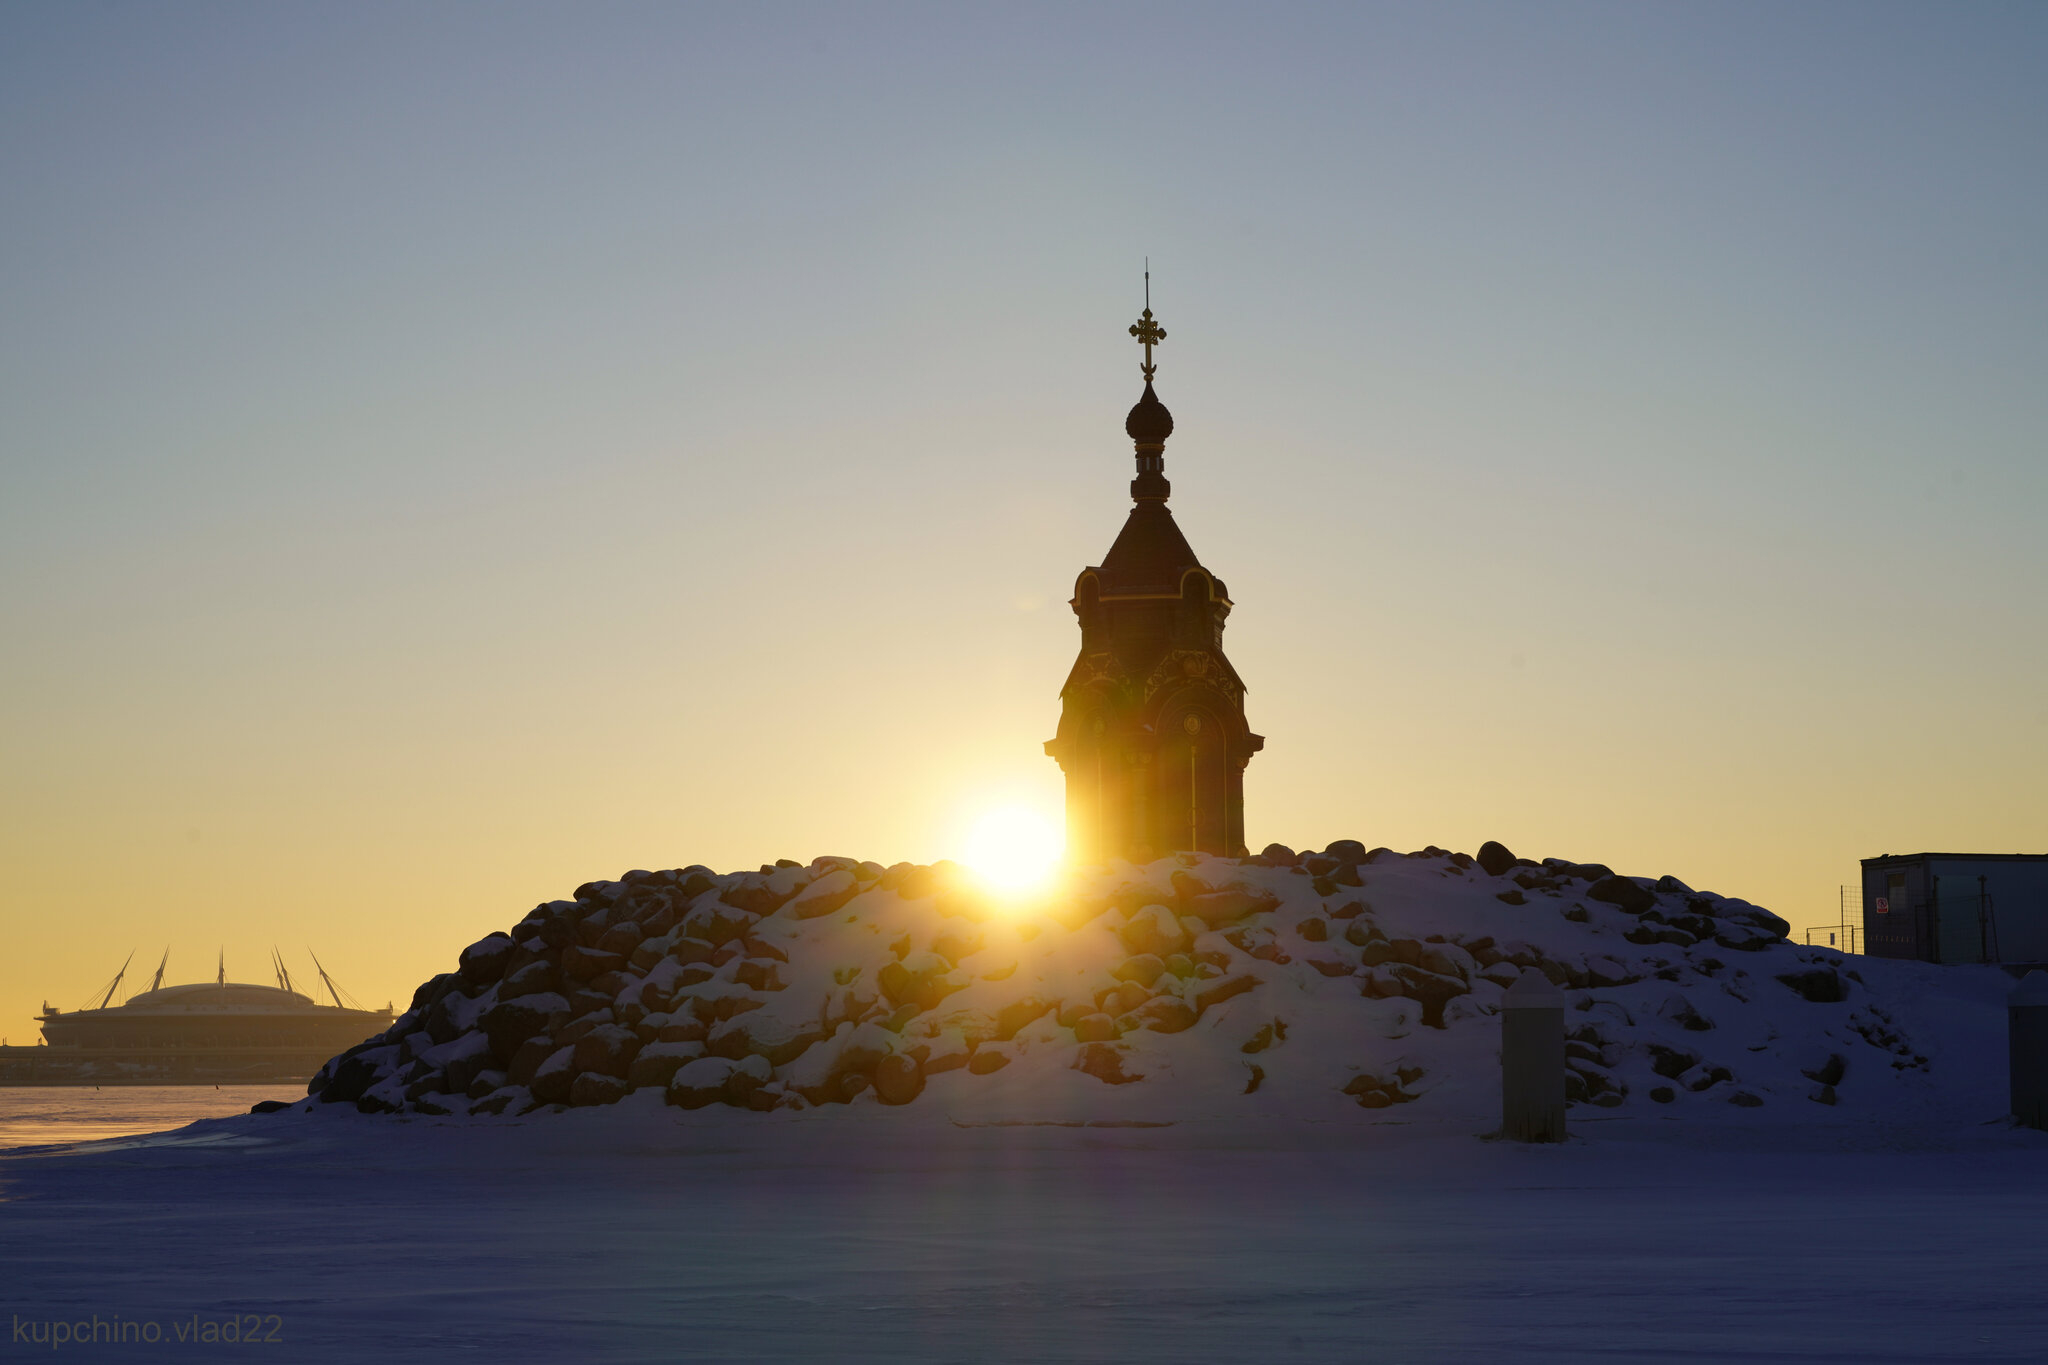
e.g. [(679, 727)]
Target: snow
[(640, 1232), (1203, 1109)]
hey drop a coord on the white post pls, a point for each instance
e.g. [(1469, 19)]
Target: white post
[(2026, 1018), (1532, 1060)]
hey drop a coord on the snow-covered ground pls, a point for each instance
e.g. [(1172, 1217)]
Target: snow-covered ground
[(1204, 1110), (640, 1232)]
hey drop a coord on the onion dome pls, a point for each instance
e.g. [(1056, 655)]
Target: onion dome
[(1149, 423)]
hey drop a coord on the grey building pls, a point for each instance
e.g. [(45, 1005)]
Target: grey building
[(1957, 907)]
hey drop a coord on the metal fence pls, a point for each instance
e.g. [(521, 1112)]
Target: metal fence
[(1845, 935)]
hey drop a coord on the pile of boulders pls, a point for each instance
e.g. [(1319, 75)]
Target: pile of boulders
[(842, 981)]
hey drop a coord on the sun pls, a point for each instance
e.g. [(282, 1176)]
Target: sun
[(1013, 848)]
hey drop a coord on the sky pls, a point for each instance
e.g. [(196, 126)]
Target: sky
[(450, 453)]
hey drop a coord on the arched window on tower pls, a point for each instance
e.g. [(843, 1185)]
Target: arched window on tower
[(1194, 791)]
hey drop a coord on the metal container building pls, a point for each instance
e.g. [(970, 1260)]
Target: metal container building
[(1957, 907)]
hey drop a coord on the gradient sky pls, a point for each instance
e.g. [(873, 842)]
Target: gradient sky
[(449, 453)]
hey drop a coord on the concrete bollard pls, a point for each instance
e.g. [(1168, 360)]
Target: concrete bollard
[(2026, 1022), (1532, 1060)]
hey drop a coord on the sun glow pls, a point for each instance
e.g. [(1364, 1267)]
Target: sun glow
[(1013, 849)]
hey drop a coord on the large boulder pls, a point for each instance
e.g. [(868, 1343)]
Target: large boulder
[(580, 963), (1604, 971), (898, 1079), (558, 930), (823, 896), (865, 1047), (1585, 872), (1755, 916), (483, 962), (749, 1074), (1223, 988), (1105, 1062), (1495, 858), (1144, 969), (509, 1023), (957, 941), (607, 1050), (1379, 951), (1741, 938), (681, 1028), (764, 893), (535, 978), (1122, 997), (528, 1058), (348, 1081), (1165, 1014), (1427, 989), (621, 938), (552, 1082), (1096, 1028), (701, 1082), (1820, 985), (758, 974), (686, 951), (1624, 893), (1012, 1017), (1153, 930), (923, 979), (656, 917), (821, 1075), (1220, 908), (432, 989), (448, 1017), (946, 1050), (714, 1001), (657, 1063), (716, 923), (1447, 959)]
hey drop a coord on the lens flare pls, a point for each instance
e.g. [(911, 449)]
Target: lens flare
[(1013, 849)]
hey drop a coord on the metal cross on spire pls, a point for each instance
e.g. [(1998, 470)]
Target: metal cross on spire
[(1148, 332)]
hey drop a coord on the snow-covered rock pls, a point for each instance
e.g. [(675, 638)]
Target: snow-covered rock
[(1312, 985)]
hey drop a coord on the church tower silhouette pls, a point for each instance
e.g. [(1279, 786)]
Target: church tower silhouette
[(1152, 735)]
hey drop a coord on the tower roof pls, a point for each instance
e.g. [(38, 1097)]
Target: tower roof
[(1150, 553)]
